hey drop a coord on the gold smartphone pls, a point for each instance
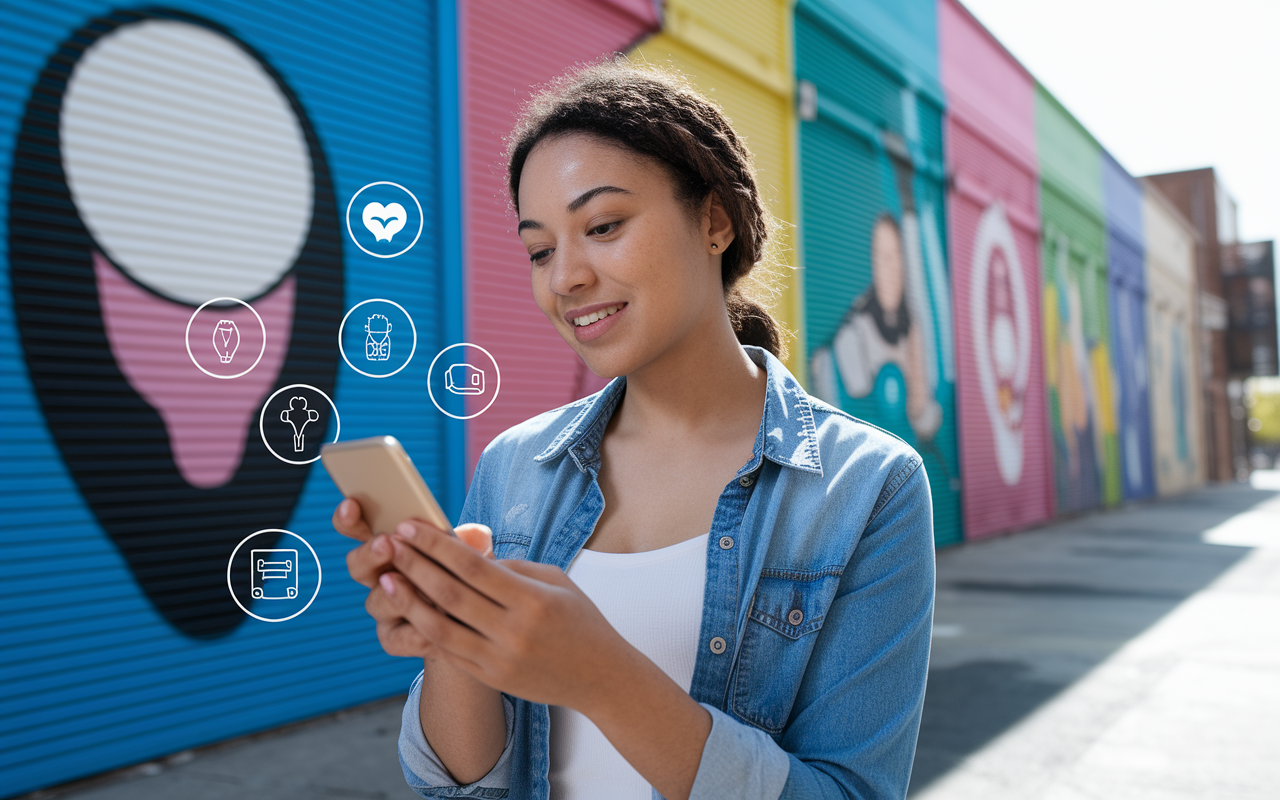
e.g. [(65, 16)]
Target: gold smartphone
[(377, 473)]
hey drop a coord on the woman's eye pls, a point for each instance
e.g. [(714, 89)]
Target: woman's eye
[(606, 228), (540, 256)]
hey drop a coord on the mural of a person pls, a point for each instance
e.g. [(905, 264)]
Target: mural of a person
[(877, 331), (161, 163), (1001, 329)]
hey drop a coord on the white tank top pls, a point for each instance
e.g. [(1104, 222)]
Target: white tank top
[(654, 599)]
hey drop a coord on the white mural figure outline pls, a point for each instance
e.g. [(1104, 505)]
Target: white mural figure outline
[(377, 342), (226, 340), (274, 574), (1000, 319), (288, 416)]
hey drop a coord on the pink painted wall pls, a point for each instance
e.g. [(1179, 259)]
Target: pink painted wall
[(507, 48), (994, 225)]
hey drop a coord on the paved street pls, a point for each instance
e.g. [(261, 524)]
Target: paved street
[(1132, 654)]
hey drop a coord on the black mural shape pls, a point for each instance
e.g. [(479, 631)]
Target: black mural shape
[(175, 538)]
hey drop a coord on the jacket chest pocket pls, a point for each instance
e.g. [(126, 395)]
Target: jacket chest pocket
[(786, 614)]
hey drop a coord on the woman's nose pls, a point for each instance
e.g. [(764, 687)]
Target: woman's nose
[(571, 271)]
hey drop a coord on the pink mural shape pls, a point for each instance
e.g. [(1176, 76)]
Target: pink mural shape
[(507, 49), (206, 418), (994, 224)]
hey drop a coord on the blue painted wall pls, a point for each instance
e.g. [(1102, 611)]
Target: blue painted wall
[(1122, 197), (93, 677)]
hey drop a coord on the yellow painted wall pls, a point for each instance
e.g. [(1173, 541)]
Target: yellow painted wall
[(738, 53)]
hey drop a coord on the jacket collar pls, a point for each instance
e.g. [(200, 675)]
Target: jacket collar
[(787, 434)]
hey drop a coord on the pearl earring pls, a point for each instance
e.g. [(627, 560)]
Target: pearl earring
[(714, 245)]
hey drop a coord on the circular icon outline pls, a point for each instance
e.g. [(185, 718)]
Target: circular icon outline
[(497, 387), (319, 574), (262, 325), (412, 327), (421, 220), (263, 414)]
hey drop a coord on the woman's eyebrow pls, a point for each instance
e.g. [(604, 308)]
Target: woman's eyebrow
[(587, 196), (578, 202)]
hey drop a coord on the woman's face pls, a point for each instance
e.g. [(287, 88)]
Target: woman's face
[(620, 266)]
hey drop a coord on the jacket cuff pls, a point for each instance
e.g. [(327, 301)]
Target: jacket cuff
[(739, 761), (424, 771)]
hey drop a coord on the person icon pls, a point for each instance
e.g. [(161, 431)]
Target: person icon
[(877, 332), (377, 342)]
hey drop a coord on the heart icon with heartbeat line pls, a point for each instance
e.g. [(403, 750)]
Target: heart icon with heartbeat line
[(383, 221)]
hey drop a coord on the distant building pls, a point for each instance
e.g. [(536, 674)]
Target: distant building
[(1237, 312)]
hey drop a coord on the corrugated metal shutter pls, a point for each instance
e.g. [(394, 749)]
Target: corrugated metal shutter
[(739, 54), (120, 638), (1078, 371), (994, 234), (1128, 325), (872, 160), (500, 68)]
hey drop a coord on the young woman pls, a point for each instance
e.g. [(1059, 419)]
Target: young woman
[(748, 600)]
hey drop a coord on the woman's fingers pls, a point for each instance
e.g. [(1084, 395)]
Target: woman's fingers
[(348, 520), (369, 560), (445, 590), (476, 571), (395, 597)]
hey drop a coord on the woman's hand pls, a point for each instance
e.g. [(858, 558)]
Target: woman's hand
[(372, 561), (520, 627)]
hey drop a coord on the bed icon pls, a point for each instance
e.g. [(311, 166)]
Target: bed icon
[(274, 574)]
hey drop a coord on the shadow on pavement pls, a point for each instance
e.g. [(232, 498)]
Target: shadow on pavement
[(1020, 618)]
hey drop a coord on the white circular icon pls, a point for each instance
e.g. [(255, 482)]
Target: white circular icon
[(465, 379), (273, 574), (378, 339), (299, 416), (383, 221), (224, 343)]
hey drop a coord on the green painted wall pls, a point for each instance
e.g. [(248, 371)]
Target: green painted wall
[(1079, 375)]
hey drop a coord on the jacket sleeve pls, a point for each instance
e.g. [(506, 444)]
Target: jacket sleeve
[(853, 726), (424, 771)]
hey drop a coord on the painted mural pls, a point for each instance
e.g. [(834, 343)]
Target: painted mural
[(158, 162), (1078, 374), (993, 231), (111, 376), (877, 293)]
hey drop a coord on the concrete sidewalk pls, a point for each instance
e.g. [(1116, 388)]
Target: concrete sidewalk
[(1131, 654)]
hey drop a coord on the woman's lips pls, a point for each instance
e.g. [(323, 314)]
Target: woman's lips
[(595, 330)]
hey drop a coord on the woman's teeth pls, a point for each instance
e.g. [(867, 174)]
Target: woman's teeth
[(595, 316)]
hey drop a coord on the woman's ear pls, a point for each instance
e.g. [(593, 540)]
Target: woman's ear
[(718, 228)]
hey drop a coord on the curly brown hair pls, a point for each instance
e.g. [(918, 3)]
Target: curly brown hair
[(657, 113)]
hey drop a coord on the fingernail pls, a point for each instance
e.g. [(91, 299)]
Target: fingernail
[(405, 530), (381, 547), (388, 585)]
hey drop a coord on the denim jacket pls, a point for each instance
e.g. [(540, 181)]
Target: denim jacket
[(817, 612)]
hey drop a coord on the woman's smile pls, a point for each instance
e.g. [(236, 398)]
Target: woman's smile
[(594, 324)]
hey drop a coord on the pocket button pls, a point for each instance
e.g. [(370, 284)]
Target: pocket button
[(726, 542), (795, 617), (717, 645)]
